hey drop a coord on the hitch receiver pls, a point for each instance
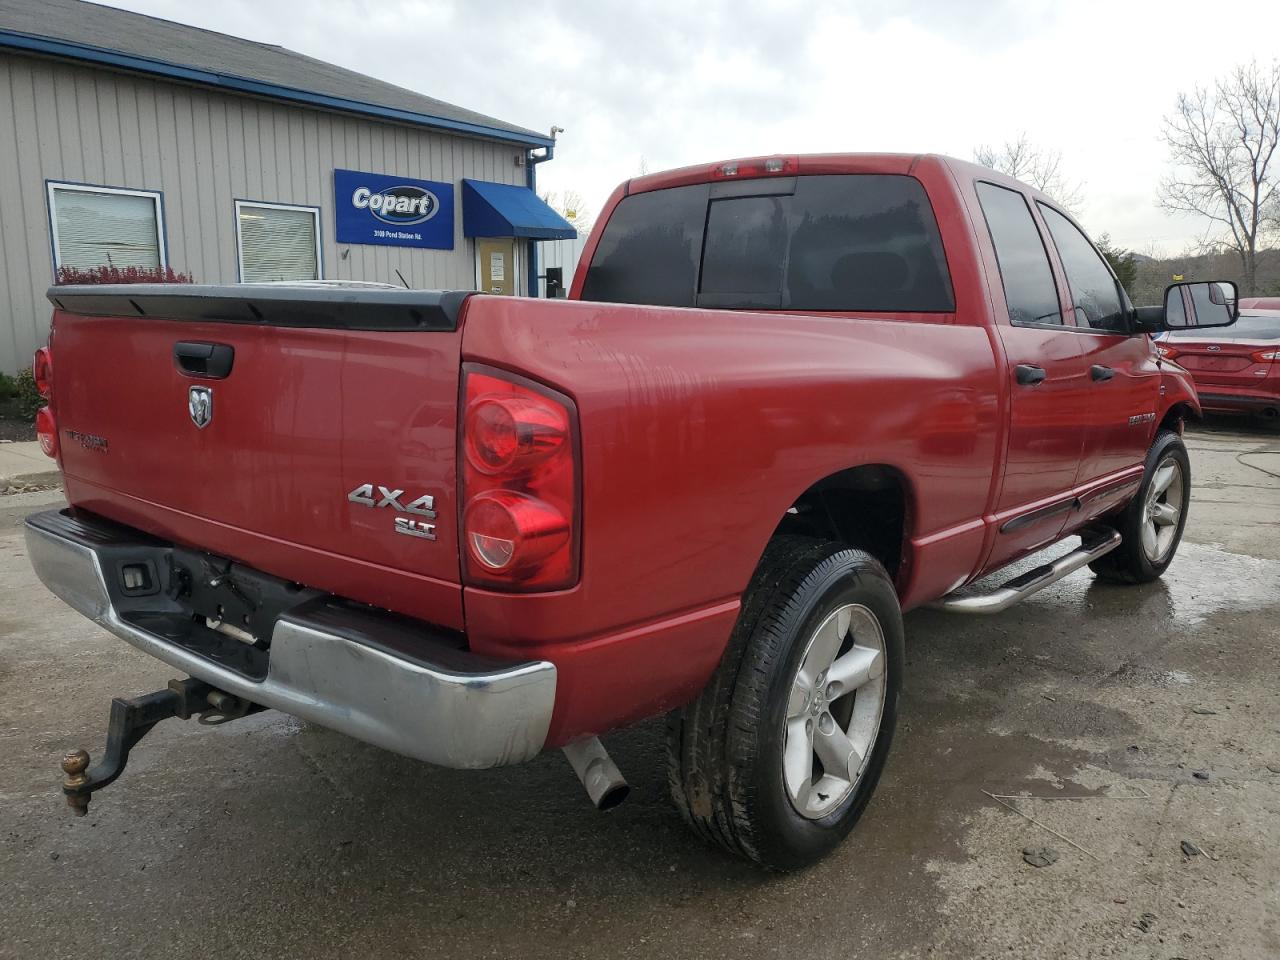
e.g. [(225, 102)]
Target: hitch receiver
[(131, 720)]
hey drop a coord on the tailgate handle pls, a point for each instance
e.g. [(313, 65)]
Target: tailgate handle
[(211, 360)]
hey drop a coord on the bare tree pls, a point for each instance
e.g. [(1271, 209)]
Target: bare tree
[(1041, 168), (1226, 168), (571, 206)]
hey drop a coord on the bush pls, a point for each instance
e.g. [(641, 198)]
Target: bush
[(8, 387), (111, 274), (28, 398)]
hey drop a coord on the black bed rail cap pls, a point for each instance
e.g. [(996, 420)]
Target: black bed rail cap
[(269, 304)]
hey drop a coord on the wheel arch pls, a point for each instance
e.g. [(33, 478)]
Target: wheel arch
[(1178, 399), (1177, 414), (868, 506)]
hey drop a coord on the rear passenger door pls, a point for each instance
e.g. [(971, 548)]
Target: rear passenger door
[(1046, 380), (1122, 377)]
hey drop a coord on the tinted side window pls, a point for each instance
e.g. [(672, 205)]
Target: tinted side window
[(1029, 289), (650, 249), (1094, 291)]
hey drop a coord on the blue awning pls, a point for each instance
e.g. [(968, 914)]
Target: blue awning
[(503, 210)]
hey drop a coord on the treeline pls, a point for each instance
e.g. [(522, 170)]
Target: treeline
[(1147, 278)]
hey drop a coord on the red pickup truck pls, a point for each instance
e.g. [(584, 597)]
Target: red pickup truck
[(789, 398)]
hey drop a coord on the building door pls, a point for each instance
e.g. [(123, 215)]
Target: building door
[(496, 266)]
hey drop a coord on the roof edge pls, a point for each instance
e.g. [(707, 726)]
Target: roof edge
[(14, 40)]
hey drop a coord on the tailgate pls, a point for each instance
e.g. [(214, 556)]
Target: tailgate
[(324, 454)]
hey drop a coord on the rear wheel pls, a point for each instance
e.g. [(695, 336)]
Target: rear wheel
[(1152, 523), (778, 757)]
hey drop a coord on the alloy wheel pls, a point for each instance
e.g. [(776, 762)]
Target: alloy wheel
[(834, 710), (1162, 510)]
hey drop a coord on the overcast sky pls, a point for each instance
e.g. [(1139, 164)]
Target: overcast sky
[(674, 82)]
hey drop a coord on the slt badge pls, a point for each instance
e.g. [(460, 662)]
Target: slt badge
[(200, 405), (424, 506)]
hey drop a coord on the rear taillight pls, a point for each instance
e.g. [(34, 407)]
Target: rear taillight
[(761, 167), (42, 372), (1262, 356), (519, 483), (47, 431), (46, 426), (1167, 353)]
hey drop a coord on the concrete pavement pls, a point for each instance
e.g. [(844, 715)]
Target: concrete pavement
[(24, 466), (271, 838)]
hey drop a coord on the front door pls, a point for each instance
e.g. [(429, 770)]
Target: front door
[(496, 266), (1122, 376)]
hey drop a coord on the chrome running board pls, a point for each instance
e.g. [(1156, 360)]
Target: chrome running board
[(1094, 543)]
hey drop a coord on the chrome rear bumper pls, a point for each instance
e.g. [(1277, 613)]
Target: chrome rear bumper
[(371, 676)]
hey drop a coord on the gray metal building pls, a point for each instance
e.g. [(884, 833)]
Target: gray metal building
[(130, 141)]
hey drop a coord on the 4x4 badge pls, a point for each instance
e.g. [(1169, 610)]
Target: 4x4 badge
[(200, 405), (423, 506)]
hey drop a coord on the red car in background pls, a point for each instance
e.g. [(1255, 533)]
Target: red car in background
[(1236, 368)]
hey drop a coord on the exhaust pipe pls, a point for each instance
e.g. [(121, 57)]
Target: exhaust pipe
[(603, 780)]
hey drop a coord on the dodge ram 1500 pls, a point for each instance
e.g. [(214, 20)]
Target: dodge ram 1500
[(787, 399)]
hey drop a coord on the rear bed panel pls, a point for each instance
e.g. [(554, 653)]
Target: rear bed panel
[(305, 417)]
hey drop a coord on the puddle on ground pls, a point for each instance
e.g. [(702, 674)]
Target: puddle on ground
[(1202, 580), (1134, 675)]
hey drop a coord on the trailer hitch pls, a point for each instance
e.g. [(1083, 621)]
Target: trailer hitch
[(131, 720)]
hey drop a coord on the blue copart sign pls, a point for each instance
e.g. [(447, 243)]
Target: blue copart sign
[(394, 211)]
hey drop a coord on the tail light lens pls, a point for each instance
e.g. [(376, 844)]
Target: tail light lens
[(47, 431), (42, 372), (519, 483), (46, 426), (1262, 356)]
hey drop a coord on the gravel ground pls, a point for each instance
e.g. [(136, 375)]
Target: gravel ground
[(1157, 705)]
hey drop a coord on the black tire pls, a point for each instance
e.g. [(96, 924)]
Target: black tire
[(1267, 421), (724, 750), (1130, 562)]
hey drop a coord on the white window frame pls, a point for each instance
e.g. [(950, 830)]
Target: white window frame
[(269, 205), (156, 197)]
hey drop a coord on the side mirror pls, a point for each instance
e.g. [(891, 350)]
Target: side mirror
[(1192, 304)]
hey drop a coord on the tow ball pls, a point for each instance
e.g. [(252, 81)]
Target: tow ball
[(131, 720)]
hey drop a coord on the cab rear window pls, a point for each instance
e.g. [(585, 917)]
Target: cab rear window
[(1246, 327), (852, 242)]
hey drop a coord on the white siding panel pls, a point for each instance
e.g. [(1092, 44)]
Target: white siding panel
[(560, 253), (203, 150)]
